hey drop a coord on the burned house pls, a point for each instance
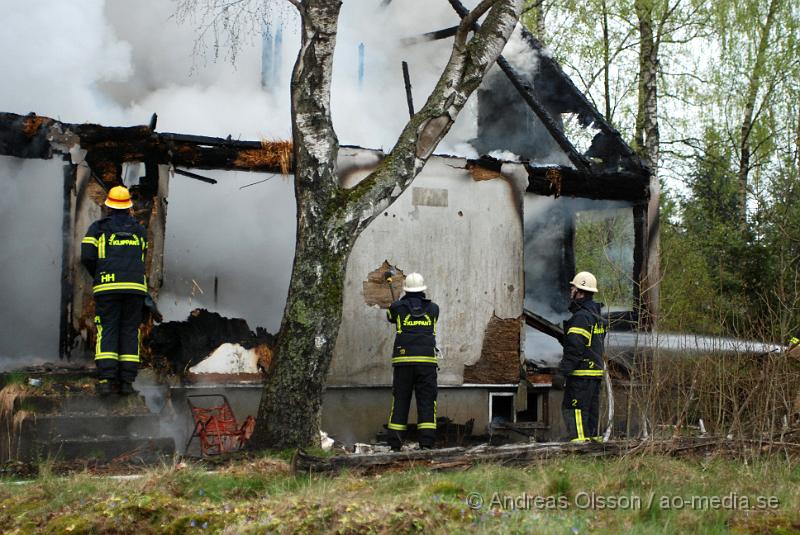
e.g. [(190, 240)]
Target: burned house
[(497, 238)]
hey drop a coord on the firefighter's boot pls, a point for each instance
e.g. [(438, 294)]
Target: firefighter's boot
[(395, 440), (126, 389), (103, 388)]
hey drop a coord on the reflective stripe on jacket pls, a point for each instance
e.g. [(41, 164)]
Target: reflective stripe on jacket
[(584, 341), (113, 252), (415, 319)]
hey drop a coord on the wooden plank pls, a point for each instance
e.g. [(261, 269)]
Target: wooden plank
[(513, 454), (35, 136)]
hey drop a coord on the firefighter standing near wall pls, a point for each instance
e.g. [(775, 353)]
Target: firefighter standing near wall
[(414, 362), (113, 252), (582, 363)]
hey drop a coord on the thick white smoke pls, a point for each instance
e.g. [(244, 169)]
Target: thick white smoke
[(56, 54), (30, 260), (242, 237), (115, 62)]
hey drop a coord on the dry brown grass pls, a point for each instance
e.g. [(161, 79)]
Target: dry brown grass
[(10, 422), (273, 154), (481, 173), (743, 395)]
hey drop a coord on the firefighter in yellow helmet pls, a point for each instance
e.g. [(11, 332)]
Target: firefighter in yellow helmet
[(113, 252), (582, 363)]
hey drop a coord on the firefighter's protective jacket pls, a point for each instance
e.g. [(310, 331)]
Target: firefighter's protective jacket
[(583, 345), (113, 252), (415, 319)]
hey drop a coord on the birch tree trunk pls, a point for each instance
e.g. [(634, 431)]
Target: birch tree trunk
[(330, 218), (647, 143), (753, 85), (647, 135), (606, 64)]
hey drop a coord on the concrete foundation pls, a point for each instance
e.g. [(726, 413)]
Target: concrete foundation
[(349, 415)]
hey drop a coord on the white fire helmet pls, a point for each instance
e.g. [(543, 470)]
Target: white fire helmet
[(414, 283), (585, 281)]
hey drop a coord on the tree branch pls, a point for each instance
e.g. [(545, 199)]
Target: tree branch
[(461, 76), (466, 23)]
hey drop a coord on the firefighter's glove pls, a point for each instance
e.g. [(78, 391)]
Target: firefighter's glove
[(152, 309), (559, 381)]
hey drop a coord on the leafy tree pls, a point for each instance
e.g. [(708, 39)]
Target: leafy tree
[(758, 61)]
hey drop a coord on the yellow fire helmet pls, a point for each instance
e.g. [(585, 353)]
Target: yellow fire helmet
[(119, 198)]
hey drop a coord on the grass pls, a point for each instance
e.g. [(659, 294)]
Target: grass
[(566, 495), (13, 378)]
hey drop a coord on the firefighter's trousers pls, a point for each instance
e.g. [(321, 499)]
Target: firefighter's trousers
[(581, 408), (419, 379), (117, 318)]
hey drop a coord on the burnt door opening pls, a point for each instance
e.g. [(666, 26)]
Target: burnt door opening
[(229, 246)]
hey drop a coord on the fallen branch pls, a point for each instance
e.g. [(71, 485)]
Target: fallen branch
[(513, 454)]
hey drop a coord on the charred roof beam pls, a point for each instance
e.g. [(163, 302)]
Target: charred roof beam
[(558, 181), (567, 182), (35, 136), (607, 146), (577, 101), (526, 92)]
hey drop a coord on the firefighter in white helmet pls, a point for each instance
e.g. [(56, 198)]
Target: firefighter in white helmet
[(414, 363), (582, 363)]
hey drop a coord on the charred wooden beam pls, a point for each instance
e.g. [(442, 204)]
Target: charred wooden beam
[(578, 103), (562, 95), (640, 249), (568, 250), (430, 36), (544, 325), (618, 186), (559, 180), (516, 454), (34, 136), (195, 176), (409, 96), (527, 94), (210, 141), (262, 156), (66, 333)]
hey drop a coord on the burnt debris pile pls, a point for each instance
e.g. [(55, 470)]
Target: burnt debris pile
[(176, 346)]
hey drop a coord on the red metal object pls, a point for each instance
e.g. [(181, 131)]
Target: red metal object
[(217, 428)]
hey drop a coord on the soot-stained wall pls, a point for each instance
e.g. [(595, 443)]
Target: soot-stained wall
[(465, 237)]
